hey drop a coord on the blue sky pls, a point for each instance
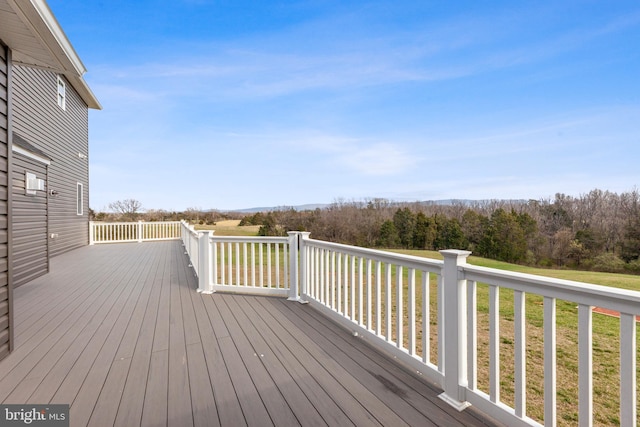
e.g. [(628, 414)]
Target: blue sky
[(231, 104)]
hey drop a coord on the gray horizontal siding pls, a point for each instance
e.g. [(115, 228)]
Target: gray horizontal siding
[(29, 226), (5, 303), (61, 134)]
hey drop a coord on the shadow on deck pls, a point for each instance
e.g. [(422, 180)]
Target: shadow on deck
[(119, 333)]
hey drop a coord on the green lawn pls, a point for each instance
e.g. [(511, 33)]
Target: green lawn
[(624, 281), (230, 228)]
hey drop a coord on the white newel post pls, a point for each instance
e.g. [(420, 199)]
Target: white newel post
[(293, 265), (140, 231), (455, 328), (304, 262), (91, 233), (204, 262)]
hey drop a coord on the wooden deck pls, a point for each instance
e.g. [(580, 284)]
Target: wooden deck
[(120, 334)]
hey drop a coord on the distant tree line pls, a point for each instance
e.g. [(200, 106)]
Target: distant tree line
[(595, 231), (132, 210)]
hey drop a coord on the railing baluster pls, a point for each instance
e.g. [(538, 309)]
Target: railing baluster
[(277, 264), (237, 250), (441, 333), (494, 343), (585, 365), (314, 264), (269, 262), (388, 304), (360, 289), (369, 302), (378, 297), (245, 265), (322, 265), (223, 276), (332, 286), (338, 273), (214, 258), (230, 263), (399, 308), (286, 265), (411, 307), (426, 318), (520, 356), (352, 310), (313, 271), (253, 264), (472, 335), (628, 373), (550, 417), (261, 265), (345, 287), (324, 276)]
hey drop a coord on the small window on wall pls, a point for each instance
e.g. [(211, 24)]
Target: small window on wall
[(79, 200), (62, 93)]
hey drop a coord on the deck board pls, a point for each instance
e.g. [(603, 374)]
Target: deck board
[(120, 333), (228, 406), (271, 396), (179, 406), (326, 407), (360, 404), (300, 406)]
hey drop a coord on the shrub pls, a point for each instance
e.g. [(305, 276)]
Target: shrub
[(633, 266), (608, 262)]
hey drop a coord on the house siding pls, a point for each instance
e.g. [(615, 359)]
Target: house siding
[(29, 235), (6, 325), (62, 135)]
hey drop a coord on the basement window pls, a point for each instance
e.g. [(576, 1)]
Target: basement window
[(62, 93), (79, 200)]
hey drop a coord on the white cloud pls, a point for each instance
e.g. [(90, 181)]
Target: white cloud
[(380, 159)]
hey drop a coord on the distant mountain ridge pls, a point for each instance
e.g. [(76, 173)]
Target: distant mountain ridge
[(306, 207), (312, 206)]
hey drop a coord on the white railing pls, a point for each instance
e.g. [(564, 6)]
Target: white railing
[(425, 313), (388, 298), (119, 232), (251, 264), (257, 265), (191, 242), (585, 296), (380, 295)]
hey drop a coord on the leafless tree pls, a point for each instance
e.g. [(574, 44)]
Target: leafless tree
[(128, 208)]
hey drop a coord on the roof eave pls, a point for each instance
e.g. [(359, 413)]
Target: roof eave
[(45, 27)]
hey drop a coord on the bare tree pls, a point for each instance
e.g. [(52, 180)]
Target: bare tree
[(128, 208)]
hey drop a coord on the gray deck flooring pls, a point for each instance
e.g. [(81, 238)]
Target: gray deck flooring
[(120, 334)]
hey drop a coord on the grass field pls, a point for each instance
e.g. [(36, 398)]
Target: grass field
[(230, 228), (624, 281)]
